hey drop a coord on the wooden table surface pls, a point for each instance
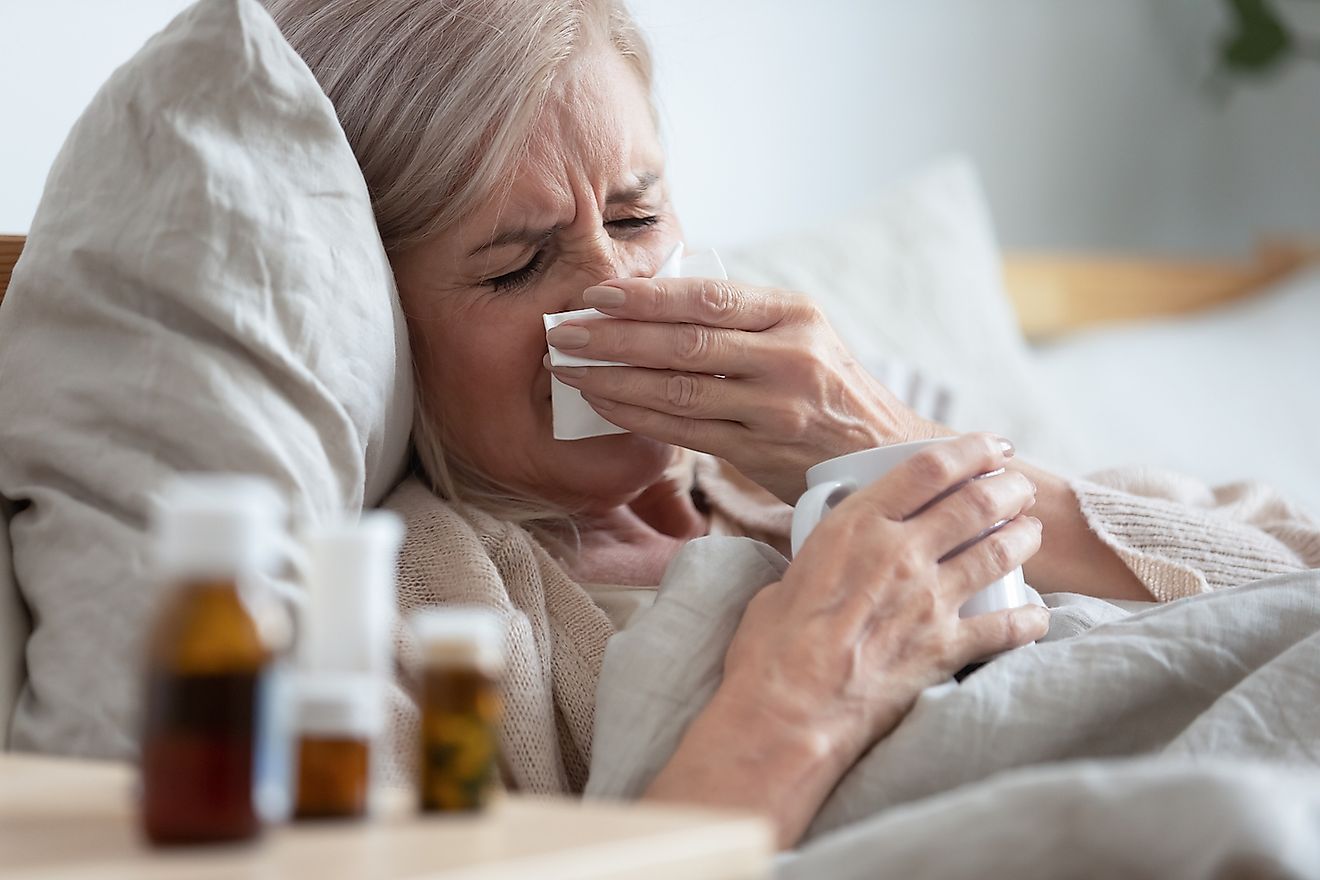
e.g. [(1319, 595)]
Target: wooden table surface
[(62, 818)]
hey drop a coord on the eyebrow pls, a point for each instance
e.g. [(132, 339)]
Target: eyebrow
[(634, 193), (518, 235), (527, 236)]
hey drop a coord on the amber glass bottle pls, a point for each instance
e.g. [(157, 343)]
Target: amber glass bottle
[(462, 653), (334, 777), (208, 750), (338, 718)]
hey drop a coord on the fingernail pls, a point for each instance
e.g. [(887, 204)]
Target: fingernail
[(598, 402), (567, 373), (988, 474), (600, 297), (1006, 447), (568, 336)]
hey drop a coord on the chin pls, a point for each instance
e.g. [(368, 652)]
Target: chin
[(609, 471)]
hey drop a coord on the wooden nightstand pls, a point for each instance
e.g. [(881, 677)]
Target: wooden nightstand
[(63, 819)]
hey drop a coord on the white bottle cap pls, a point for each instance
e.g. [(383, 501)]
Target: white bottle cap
[(339, 705), (217, 525), (460, 635), (350, 596)]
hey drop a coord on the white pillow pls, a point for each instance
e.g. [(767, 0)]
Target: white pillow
[(917, 279), (203, 288)]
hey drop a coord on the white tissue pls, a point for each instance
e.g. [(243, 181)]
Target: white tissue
[(574, 419)]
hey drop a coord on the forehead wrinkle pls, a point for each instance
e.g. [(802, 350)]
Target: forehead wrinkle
[(593, 123), (533, 201)]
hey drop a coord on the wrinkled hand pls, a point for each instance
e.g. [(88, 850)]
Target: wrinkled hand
[(829, 660), (754, 376), (866, 617)]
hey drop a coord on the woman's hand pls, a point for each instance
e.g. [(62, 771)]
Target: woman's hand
[(830, 659), (754, 376)]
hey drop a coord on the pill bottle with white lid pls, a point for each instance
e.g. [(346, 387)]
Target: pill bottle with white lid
[(462, 662), (214, 754), (344, 664)]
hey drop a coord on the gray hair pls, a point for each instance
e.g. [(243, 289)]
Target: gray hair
[(438, 99)]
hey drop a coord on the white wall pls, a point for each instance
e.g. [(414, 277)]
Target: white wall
[(54, 55), (1089, 120)]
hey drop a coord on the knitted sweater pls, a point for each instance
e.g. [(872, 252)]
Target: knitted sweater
[(1177, 536), (1180, 537)]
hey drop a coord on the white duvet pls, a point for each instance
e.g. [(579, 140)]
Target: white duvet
[(1222, 395), (1178, 740)]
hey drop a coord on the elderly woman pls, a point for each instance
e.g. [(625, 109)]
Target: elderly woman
[(511, 151)]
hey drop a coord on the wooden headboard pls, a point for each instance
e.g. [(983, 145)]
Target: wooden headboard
[(10, 247), (1055, 294)]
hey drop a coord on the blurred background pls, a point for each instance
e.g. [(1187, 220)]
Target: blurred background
[(1096, 126), (1185, 129)]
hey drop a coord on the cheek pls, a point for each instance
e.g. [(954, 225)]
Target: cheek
[(488, 367), (482, 370)]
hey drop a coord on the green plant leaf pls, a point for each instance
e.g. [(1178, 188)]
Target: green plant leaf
[(1260, 40)]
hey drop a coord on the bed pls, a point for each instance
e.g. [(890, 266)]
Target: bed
[(1077, 311)]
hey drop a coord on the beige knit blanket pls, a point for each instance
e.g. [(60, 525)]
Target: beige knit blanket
[(1178, 536)]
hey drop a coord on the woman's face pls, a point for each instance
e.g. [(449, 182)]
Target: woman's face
[(588, 204)]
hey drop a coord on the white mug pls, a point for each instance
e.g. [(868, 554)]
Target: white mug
[(829, 482)]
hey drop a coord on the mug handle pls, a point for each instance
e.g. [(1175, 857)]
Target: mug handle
[(812, 507)]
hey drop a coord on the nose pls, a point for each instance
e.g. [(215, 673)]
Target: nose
[(602, 259), (605, 260)]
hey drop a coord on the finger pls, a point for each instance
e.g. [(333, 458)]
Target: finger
[(973, 510), (689, 348), (690, 395), (991, 558), (704, 435), (708, 301), (934, 470), (988, 634)]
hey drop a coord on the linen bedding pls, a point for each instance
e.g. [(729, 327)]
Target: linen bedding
[(1176, 740)]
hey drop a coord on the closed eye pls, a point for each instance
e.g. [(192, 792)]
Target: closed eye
[(519, 278), (631, 223), (523, 276)]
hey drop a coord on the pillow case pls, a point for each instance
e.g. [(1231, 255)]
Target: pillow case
[(916, 280), (203, 288)]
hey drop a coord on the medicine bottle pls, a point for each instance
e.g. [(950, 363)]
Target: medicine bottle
[(212, 753), (344, 659), (462, 661)]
